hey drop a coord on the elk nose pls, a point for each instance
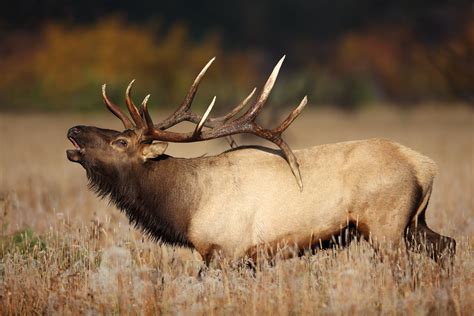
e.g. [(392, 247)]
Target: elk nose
[(73, 131)]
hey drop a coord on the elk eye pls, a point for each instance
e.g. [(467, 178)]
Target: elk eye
[(121, 143)]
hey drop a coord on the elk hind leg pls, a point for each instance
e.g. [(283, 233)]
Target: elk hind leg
[(420, 238)]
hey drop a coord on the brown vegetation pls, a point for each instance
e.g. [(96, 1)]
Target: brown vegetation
[(62, 250), (61, 65)]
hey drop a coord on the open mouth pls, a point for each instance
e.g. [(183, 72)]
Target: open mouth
[(74, 142), (74, 155)]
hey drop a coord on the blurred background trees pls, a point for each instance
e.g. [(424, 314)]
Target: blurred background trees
[(56, 54)]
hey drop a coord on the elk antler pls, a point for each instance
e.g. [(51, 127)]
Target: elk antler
[(184, 113), (219, 126), (116, 110)]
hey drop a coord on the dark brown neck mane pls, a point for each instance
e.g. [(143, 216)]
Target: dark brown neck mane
[(156, 196)]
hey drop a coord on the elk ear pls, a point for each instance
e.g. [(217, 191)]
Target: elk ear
[(154, 150)]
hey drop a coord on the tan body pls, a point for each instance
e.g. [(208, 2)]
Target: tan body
[(251, 197)]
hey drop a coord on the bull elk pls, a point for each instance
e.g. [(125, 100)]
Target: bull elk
[(247, 197)]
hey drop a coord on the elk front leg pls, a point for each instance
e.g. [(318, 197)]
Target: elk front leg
[(207, 253)]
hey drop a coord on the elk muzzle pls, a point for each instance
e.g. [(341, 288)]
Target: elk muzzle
[(73, 134)]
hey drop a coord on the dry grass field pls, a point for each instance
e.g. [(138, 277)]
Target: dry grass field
[(64, 251)]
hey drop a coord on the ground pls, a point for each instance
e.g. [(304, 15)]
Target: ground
[(63, 250)]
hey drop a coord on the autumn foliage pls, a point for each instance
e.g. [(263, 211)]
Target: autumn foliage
[(68, 65), (63, 67)]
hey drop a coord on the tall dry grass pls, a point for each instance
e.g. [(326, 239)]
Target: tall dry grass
[(64, 251)]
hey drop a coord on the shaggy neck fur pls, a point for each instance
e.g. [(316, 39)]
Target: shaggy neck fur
[(156, 195)]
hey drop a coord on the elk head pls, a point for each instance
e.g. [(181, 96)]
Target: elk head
[(103, 150)]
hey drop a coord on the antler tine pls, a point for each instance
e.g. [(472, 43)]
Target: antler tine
[(236, 109), (287, 152), (116, 110), (192, 91), (199, 127), (183, 113), (292, 161), (252, 113), (132, 108), (148, 119), (293, 115), (217, 121)]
